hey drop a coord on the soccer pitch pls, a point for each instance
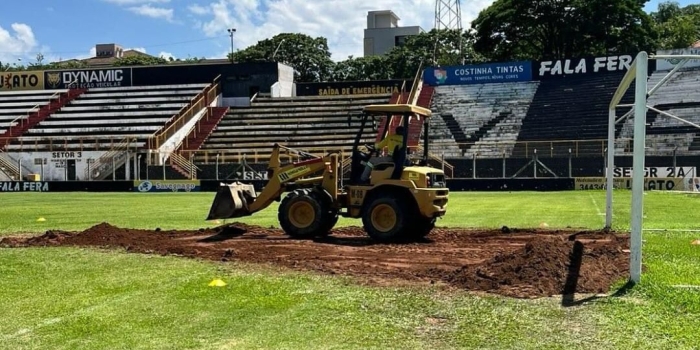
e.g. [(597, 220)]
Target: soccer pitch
[(61, 297)]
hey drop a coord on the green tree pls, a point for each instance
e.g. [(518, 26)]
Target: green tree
[(140, 60), (436, 47), (677, 27), (361, 68), (550, 29), (72, 64), (309, 56)]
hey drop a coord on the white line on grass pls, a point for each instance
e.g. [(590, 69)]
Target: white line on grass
[(89, 309), (597, 208), (80, 312)]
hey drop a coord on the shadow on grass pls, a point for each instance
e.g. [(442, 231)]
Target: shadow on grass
[(569, 293)]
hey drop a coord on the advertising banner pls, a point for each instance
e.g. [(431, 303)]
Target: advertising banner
[(686, 171), (16, 81), (89, 78), (479, 74), (24, 186), (348, 88), (600, 183), (581, 66), (665, 65), (167, 185)]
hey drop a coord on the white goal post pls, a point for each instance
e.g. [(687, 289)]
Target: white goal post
[(637, 72)]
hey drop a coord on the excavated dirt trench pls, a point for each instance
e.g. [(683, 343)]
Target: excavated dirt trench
[(511, 262)]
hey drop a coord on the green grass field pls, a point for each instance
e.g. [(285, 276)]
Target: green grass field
[(70, 298)]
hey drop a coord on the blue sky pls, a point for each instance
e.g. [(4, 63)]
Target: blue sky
[(70, 28)]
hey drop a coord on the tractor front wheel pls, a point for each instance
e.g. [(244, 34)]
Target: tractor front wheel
[(385, 219), (301, 214)]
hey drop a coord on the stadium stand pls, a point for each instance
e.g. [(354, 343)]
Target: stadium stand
[(316, 124), (569, 108), (103, 117), (21, 110), (470, 118), (680, 97)]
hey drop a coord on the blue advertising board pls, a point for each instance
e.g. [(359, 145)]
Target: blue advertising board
[(502, 72)]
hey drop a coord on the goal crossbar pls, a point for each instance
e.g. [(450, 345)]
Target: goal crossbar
[(637, 72)]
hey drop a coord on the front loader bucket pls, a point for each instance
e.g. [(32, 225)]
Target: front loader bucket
[(232, 201)]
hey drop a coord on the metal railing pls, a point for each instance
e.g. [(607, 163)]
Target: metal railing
[(553, 148), (72, 143), (208, 156), (448, 168), (185, 115), (9, 167), (110, 161), (511, 149), (185, 164)]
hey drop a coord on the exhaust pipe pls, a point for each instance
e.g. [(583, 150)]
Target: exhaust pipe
[(232, 201)]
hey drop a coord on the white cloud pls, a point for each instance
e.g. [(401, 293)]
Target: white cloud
[(153, 12), (342, 22), (166, 55), (198, 9), (19, 43)]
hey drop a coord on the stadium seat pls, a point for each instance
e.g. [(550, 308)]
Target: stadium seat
[(14, 104), (312, 124), (482, 119), (102, 117), (680, 97)]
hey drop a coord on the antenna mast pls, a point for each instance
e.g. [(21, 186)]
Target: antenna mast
[(448, 15)]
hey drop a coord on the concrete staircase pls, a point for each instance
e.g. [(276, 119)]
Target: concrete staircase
[(203, 129), (32, 119)]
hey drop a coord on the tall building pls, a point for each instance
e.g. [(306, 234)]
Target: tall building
[(383, 32)]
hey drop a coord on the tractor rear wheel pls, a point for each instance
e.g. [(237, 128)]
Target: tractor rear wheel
[(301, 214), (385, 219)]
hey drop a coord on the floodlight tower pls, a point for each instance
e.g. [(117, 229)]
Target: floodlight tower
[(448, 15)]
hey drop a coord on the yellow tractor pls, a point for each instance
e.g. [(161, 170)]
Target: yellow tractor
[(401, 200)]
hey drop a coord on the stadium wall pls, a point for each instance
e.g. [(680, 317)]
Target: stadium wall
[(55, 166), (455, 185)]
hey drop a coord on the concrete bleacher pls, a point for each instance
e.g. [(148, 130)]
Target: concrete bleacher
[(14, 104), (102, 117), (312, 124), (469, 119), (570, 112), (680, 97)]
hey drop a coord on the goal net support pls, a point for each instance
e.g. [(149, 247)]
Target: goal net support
[(637, 72)]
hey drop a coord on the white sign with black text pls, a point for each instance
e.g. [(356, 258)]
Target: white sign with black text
[(661, 172)]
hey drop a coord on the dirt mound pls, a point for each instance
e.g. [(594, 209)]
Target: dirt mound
[(548, 266), (514, 262)]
